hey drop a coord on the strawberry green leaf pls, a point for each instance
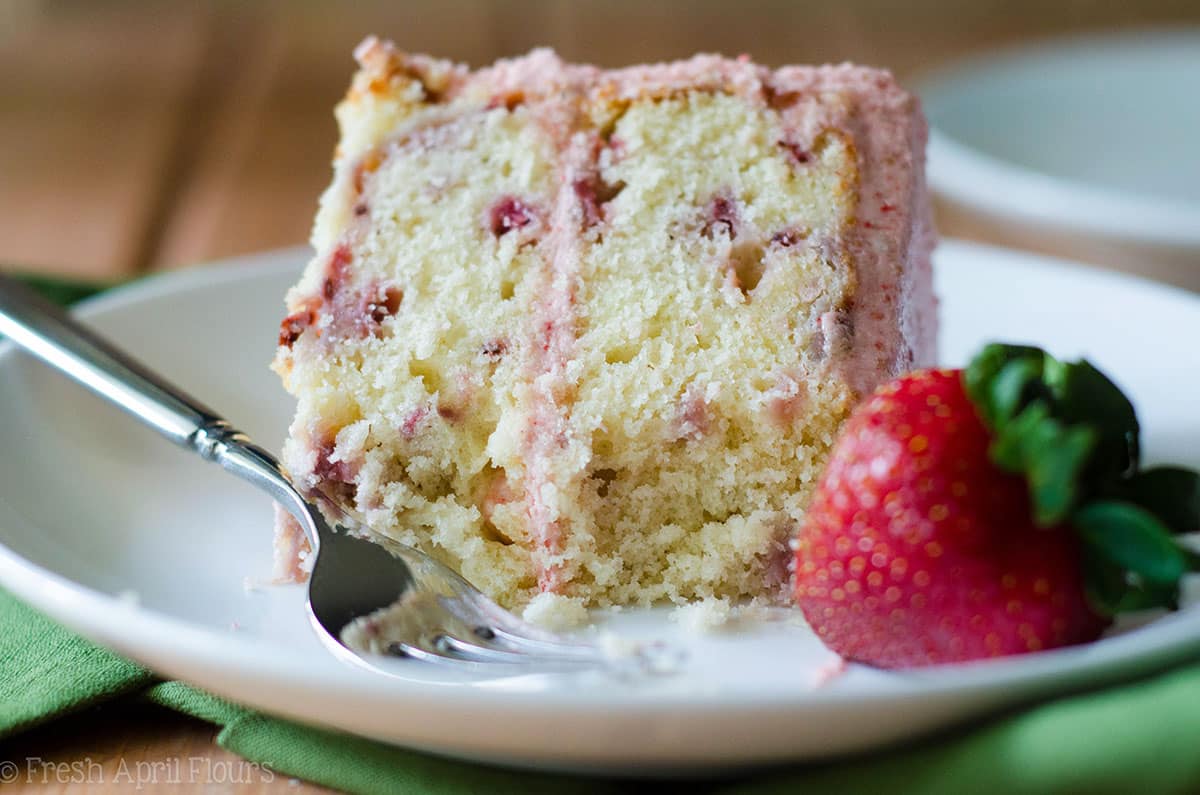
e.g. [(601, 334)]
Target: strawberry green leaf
[(1144, 595), (1067, 429), (980, 376), (1011, 445), (1133, 539), (1111, 590), (1050, 454), (1012, 387), (1105, 582), (1170, 493), (1054, 474), (1103, 598), (1084, 395)]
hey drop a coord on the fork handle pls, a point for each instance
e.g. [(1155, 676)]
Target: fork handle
[(47, 332), (50, 334)]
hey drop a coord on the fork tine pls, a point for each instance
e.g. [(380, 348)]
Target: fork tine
[(480, 653), (447, 649), (410, 651), (527, 645), (438, 657)]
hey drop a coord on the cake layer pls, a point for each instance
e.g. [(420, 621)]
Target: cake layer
[(592, 333)]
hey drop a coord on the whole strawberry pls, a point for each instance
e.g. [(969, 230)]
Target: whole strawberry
[(986, 512)]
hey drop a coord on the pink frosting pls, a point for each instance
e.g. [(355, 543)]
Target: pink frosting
[(893, 313), (892, 317), (891, 322)]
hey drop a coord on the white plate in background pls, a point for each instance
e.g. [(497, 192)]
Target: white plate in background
[(1093, 136), (93, 505)]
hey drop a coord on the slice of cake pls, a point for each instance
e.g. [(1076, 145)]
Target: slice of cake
[(590, 333)]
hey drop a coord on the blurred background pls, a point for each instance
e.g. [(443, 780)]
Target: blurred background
[(140, 136)]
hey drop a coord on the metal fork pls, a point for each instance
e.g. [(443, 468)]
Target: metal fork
[(351, 577)]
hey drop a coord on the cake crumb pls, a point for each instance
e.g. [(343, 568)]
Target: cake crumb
[(417, 618), (638, 658), (762, 611), (293, 555), (616, 647), (707, 615), (556, 612)]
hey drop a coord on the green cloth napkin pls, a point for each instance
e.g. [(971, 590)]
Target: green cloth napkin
[(1141, 737)]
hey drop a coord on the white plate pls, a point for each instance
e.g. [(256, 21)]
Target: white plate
[(1095, 135), (92, 505)]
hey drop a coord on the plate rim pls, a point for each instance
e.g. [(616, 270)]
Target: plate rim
[(1000, 188)]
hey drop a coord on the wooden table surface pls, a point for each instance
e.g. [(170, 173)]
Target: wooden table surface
[(137, 137)]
